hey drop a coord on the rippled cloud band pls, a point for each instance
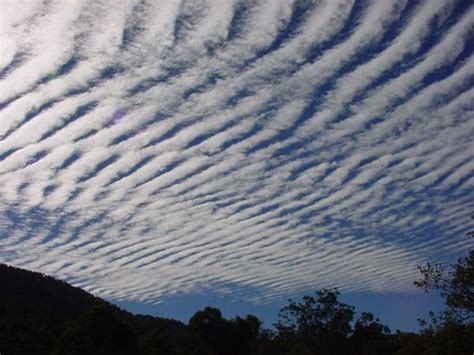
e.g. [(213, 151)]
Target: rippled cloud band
[(251, 148)]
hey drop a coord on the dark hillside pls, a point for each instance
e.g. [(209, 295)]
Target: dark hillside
[(38, 308), (39, 315)]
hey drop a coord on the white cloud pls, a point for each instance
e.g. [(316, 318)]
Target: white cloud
[(236, 161)]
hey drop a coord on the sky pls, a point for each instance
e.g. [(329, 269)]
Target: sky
[(166, 155)]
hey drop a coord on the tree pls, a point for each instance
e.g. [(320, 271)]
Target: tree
[(452, 330), (211, 330), (98, 332), (455, 284), (217, 335), (371, 337), (244, 333), (317, 325)]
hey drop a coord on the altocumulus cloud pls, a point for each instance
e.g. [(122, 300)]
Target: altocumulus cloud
[(259, 148)]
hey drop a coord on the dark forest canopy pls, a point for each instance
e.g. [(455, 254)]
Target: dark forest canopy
[(41, 315)]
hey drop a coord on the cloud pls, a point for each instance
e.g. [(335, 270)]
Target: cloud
[(262, 147)]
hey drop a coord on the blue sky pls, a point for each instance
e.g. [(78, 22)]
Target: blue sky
[(237, 153), (398, 310)]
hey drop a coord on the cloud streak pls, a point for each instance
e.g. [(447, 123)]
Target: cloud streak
[(261, 147)]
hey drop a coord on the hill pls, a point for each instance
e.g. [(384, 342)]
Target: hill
[(42, 315)]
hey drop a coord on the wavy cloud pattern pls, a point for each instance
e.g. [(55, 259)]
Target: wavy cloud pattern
[(252, 148)]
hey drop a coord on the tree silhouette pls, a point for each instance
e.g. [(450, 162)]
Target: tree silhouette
[(452, 330), (455, 283), (98, 332), (244, 334), (317, 325), (370, 337), (211, 329), (217, 335)]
